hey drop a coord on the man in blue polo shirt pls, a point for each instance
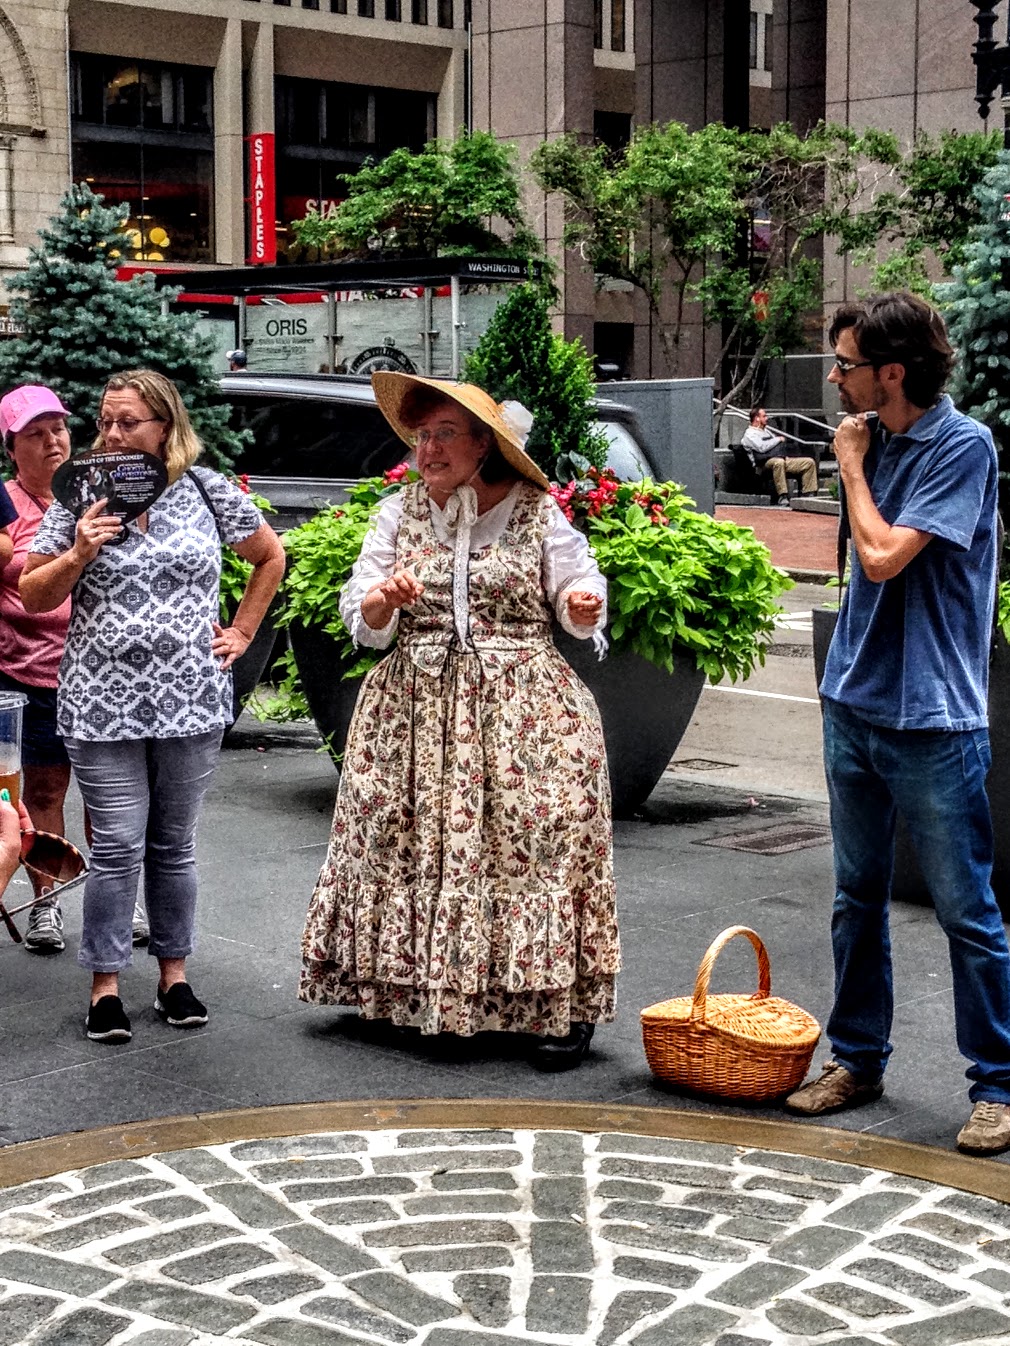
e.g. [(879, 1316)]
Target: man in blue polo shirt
[(904, 702)]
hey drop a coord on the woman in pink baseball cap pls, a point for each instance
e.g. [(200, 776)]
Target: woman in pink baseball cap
[(33, 427)]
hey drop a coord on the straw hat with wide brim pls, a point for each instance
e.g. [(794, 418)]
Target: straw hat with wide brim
[(391, 388)]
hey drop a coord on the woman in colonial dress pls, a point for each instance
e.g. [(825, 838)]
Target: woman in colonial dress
[(468, 884)]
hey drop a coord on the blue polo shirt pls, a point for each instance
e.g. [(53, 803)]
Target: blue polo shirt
[(913, 652)]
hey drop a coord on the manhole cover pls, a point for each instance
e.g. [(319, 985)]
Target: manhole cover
[(775, 840), (783, 650), (699, 764)]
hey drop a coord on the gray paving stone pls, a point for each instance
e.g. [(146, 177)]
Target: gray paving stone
[(558, 1304), (739, 1203), (287, 1147), (677, 1275), (484, 1255), (559, 1198), (558, 1152), (735, 1339), (420, 1140), (276, 1289), (306, 1170), (21, 1314), (164, 1336), (802, 1320), (29, 1193), (88, 1231), (462, 1203), (88, 1202), (297, 1332), (465, 1182), (623, 1189), (757, 1284), (159, 1246), (976, 1208), (461, 1336), (705, 1246), (817, 1170), (117, 1170), (815, 1247), (349, 1189), (972, 1324), (487, 1299), (422, 1161), (805, 1191), (190, 1308), (88, 1326), (627, 1309), (254, 1208), (345, 1313), (934, 1254), (228, 1259), (693, 1325), (751, 1229), (882, 1271), (53, 1273), (199, 1166), (328, 1252), (644, 1212), (396, 1295), (851, 1299), (946, 1227), (994, 1278), (872, 1210), (355, 1212), (679, 1175), (557, 1246), (997, 1248), (165, 1209), (440, 1232), (696, 1151)]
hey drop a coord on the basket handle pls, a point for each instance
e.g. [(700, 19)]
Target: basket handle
[(712, 953)]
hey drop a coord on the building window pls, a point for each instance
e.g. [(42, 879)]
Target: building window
[(617, 25), (761, 36), (366, 9), (598, 24), (338, 6), (445, 15), (393, 10), (142, 136), (612, 129), (310, 4), (419, 11)]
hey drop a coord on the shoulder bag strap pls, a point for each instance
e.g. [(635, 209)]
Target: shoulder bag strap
[(206, 500)]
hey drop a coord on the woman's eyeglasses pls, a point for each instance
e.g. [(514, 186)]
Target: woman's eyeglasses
[(126, 423), (445, 434), (56, 865)]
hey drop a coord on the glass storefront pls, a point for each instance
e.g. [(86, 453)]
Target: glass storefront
[(142, 136)]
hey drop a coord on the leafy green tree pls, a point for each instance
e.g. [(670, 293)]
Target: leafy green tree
[(82, 325), (520, 358), (976, 304), (453, 198)]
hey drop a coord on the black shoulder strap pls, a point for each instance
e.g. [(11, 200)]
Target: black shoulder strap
[(844, 533), (206, 500)]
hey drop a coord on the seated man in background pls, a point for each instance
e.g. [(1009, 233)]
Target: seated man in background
[(767, 453)]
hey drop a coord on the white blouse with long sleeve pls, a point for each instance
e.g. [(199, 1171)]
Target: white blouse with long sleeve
[(568, 565)]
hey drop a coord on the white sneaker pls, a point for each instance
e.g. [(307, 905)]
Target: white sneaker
[(45, 928), (141, 930)]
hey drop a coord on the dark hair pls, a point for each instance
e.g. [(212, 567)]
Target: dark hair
[(420, 401), (755, 412), (901, 329)]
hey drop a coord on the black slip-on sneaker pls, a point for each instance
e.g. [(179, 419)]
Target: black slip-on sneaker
[(107, 1021), (179, 1007)]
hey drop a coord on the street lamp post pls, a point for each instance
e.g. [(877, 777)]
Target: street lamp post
[(992, 62)]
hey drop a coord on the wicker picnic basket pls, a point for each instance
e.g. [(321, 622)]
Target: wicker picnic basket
[(735, 1046)]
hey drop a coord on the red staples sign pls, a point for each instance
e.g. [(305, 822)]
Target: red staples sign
[(262, 207)]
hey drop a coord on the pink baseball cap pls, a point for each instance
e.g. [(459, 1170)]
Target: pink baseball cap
[(24, 404)]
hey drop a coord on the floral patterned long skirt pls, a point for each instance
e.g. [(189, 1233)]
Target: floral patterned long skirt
[(469, 879)]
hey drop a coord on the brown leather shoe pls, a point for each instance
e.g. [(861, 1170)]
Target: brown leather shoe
[(834, 1091), (987, 1130)]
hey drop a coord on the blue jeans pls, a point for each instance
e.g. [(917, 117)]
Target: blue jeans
[(144, 797), (937, 781)]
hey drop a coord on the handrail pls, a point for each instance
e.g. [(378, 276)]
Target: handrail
[(773, 415)]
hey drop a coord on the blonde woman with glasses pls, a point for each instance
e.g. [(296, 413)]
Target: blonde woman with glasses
[(144, 690)]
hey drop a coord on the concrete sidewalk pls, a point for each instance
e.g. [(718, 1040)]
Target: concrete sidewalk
[(262, 842)]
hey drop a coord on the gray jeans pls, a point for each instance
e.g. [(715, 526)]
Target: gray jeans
[(144, 798)]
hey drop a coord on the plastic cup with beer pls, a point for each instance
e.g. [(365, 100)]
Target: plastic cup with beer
[(12, 706)]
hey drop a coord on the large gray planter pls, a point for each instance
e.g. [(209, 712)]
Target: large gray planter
[(644, 710), (247, 671), (907, 883)]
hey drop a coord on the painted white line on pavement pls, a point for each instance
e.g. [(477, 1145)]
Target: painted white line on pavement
[(772, 696)]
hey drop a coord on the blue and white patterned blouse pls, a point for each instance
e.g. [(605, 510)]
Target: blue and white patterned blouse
[(138, 662)]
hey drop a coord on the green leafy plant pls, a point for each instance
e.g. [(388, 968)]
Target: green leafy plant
[(235, 571)]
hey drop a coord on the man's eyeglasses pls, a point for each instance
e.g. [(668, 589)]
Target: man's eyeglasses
[(126, 423), (847, 366), (445, 434)]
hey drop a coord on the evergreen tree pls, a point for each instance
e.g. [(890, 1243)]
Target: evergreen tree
[(976, 305), (520, 358), (82, 325)]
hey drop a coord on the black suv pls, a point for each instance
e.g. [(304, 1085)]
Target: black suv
[(313, 435)]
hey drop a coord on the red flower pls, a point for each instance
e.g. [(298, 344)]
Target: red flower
[(396, 473), (243, 483)]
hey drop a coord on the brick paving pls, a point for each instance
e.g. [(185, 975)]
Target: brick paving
[(797, 541), (496, 1238)]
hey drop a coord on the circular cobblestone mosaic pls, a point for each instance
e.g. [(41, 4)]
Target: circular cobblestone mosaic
[(496, 1238)]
